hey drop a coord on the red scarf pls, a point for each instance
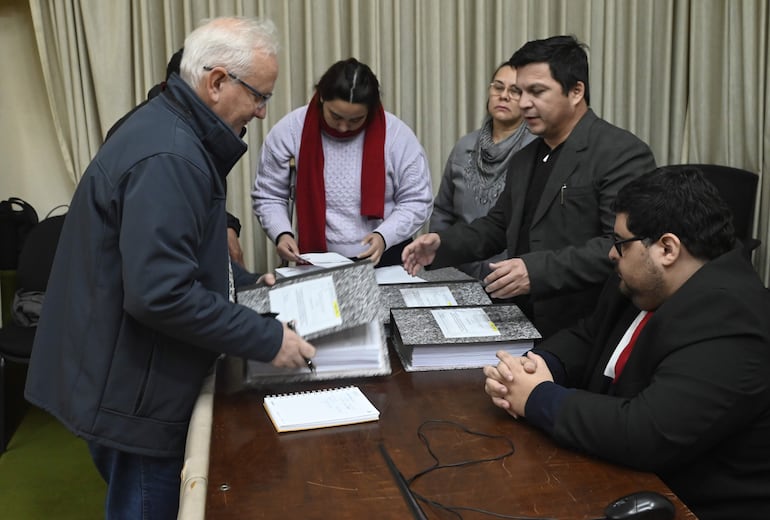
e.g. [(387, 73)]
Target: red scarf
[(311, 194)]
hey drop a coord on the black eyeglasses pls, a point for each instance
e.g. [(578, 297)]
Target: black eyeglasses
[(260, 98), (618, 244)]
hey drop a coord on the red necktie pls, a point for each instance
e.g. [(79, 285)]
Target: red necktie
[(621, 362)]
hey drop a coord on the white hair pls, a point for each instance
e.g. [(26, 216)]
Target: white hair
[(228, 42)]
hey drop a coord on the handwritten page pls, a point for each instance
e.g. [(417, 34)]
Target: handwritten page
[(319, 409), (464, 323)]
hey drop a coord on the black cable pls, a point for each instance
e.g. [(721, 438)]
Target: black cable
[(437, 465)]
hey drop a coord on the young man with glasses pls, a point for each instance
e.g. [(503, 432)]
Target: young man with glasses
[(670, 373), (140, 299), (554, 213)]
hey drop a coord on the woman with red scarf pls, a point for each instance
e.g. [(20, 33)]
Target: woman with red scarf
[(363, 186)]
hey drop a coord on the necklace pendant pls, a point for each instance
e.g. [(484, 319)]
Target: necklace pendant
[(547, 156)]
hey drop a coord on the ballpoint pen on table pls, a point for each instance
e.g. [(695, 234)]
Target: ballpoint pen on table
[(308, 361)]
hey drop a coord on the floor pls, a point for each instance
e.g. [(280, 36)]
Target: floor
[(46, 472)]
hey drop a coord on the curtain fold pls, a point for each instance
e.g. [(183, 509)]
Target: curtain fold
[(687, 76), (61, 46)]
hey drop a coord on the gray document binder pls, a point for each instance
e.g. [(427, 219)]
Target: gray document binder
[(444, 274), (466, 292), (353, 347), (421, 345)]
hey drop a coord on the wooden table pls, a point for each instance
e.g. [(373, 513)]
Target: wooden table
[(340, 473)]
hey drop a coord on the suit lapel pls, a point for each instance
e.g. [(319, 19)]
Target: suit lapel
[(566, 163), (598, 379), (518, 180)]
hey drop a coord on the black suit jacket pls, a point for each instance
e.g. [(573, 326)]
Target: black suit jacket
[(572, 228), (693, 402)]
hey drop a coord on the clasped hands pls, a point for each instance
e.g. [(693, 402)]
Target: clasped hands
[(511, 382)]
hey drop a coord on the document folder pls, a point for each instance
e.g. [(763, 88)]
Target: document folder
[(338, 310), (444, 338)]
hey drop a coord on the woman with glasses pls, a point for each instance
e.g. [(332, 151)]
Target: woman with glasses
[(474, 174), (363, 184)]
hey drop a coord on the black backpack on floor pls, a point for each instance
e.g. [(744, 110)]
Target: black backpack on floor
[(17, 217)]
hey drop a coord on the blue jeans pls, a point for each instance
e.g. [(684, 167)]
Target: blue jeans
[(138, 487)]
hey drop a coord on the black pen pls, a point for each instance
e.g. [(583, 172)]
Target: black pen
[(403, 485), (308, 361)]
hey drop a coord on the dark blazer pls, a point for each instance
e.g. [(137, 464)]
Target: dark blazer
[(693, 402), (572, 229)]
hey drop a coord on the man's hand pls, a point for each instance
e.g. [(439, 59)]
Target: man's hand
[(420, 252), (508, 278), (266, 279), (294, 350), (376, 247), (234, 247), (511, 382)]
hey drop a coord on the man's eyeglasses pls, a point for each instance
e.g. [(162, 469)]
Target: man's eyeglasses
[(618, 244), (260, 98), (497, 88)]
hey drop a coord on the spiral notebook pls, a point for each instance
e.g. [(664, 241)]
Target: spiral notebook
[(319, 409)]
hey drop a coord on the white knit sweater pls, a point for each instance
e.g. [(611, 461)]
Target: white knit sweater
[(408, 190)]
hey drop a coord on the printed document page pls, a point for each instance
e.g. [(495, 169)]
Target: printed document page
[(464, 323), (428, 297), (394, 274), (312, 305)]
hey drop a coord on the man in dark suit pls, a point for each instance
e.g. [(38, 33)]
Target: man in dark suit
[(670, 373), (554, 214)]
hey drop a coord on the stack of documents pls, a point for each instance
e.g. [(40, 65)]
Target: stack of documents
[(337, 310), (442, 338), (430, 288), (433, 294)]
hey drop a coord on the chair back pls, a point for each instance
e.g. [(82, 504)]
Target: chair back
[(738, 188), (36, 256)]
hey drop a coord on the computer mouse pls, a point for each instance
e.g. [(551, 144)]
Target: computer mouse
[(644, 505)]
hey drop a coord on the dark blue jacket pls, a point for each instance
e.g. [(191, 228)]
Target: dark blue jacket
[(137, 305)]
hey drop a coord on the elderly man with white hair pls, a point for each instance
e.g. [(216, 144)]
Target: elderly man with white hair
[(140, 299)]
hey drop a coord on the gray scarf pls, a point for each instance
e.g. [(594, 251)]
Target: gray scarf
[(485, 171)]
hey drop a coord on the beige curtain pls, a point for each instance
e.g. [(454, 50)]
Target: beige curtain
[(687, 76)]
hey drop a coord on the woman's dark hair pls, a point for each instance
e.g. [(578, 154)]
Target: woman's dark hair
[(351, 81), (679, 201), (497, 69), (565, 56)]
